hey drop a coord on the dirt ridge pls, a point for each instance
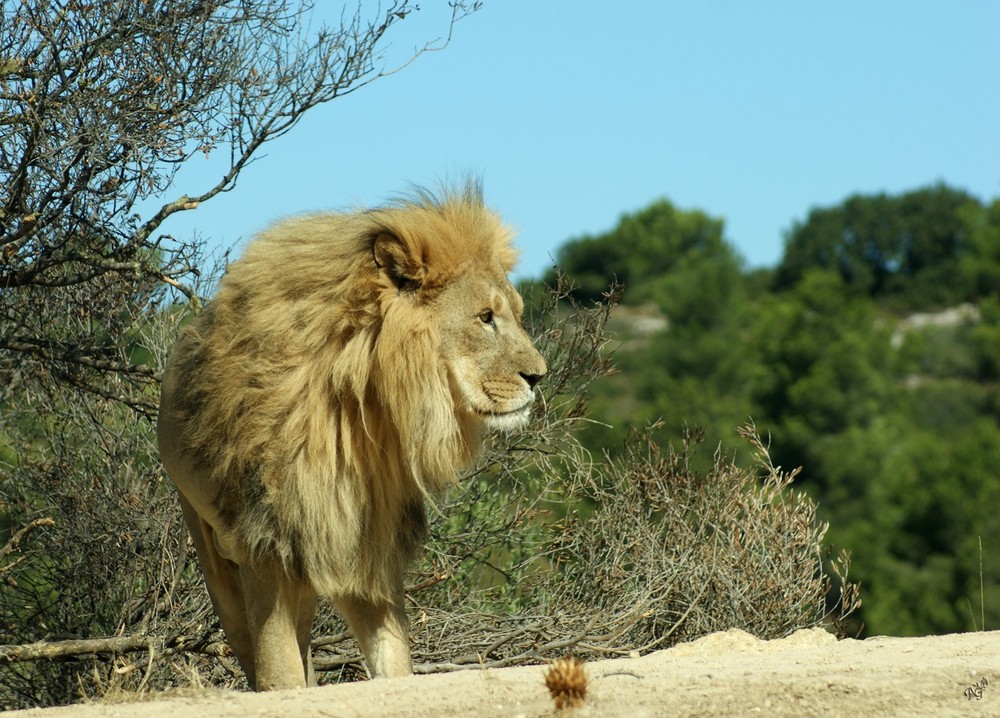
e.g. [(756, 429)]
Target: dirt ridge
[(809, 673)]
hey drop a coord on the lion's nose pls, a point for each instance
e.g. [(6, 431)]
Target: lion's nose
[(532, 379)]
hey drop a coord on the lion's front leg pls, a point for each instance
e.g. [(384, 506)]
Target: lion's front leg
[(279, 613), (383, 632)]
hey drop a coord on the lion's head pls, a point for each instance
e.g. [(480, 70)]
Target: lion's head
[(490, 363), (490, 358), (451, 355)]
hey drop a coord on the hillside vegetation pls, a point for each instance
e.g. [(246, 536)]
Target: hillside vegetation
[(870, 357)]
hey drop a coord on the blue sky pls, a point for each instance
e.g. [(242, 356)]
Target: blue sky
[(576, 112)]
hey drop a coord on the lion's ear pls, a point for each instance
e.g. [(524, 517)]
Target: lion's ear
[(394, 257)]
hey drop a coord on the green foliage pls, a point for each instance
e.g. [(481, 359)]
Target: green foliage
[(985, 339), (981, 264), (644, 252), (907, 248), (844, 356), (821, 364), (915, 505), (678, 262)]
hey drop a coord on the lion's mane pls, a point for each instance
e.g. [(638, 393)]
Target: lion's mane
[(313, 395)]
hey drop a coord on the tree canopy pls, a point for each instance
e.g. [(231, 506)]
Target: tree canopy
[(908, 248), (645, 247)]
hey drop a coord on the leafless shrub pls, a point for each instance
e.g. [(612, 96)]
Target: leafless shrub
[(647, 553), (114, 560), (665, 554)]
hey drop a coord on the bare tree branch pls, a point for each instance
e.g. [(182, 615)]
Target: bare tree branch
[(44, 650), (102, 103), (14, 543), (86, 647)]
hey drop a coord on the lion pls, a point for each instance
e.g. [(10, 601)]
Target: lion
[(345, 371)]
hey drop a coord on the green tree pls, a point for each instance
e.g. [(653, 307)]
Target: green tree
[(986, 342), (906, 248), (694, 372), (821, 364), (915, 504), (893, 426), (640, 250), (981, 265)]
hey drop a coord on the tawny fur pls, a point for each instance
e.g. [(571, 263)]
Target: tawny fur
[(327, 389)]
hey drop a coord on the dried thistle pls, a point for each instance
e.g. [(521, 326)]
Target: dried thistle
[(567, 682)]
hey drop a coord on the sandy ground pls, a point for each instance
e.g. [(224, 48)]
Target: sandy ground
[(724, 674)]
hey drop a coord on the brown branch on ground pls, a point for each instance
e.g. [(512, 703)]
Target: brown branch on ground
[(87, 647)]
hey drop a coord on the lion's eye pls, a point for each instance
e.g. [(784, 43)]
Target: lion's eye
[(486, 317)]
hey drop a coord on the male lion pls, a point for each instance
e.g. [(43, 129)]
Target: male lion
[(343, 372)]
